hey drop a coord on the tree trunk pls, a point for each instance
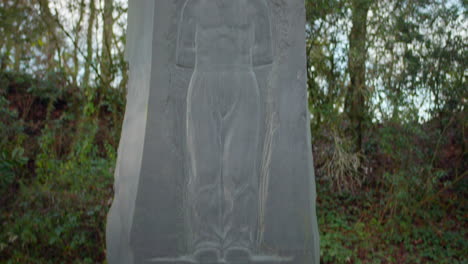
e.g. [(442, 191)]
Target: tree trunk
[(18, 57), (107, 36), (89, 43), (356, 95), (78, 28), (51, 43)]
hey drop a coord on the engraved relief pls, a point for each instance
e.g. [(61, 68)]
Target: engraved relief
[(223, 118), (222, 41), (216, 163)]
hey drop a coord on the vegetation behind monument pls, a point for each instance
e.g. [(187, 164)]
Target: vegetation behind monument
[(387, 95)]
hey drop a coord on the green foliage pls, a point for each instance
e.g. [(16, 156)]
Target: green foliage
[(56, 213), (12, 158), (10, 164), (398, 198), (70, 197), (351, 231)]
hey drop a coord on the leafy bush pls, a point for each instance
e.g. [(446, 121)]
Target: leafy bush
[(12, 159), (70, 198), (56, 211)]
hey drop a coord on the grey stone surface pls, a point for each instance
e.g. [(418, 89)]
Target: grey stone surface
[(215, 162)]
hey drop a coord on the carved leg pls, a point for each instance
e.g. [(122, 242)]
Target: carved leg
[(204, 153), (240, 176)]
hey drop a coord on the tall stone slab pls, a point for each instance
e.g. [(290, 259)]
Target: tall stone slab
[(215, 162)]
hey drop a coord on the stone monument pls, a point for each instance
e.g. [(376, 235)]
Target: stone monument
[(215, 163)]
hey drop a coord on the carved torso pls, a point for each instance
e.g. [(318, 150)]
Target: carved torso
[(224, 37)]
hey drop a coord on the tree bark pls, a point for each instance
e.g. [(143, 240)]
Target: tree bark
[(77, 32), (107, 37), (18, 57), (51, 44), (356, 105), (89, 42)]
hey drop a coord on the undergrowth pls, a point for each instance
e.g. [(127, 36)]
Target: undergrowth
[(53, 210)]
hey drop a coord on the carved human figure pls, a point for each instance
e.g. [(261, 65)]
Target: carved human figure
[(223, 40)]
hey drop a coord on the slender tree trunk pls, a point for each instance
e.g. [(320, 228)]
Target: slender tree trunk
[(15, 44), (89, 43), (356, 95), (107, 37), (51, 43), (78, 28), (18, 56)]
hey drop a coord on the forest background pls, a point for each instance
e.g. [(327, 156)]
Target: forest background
[(387, 96)]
